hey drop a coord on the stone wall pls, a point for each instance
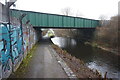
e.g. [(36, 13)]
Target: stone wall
[(15, 42)]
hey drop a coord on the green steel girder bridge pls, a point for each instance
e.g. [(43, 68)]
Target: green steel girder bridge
[(45, 20)]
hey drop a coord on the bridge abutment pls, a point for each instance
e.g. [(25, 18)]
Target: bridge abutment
[(38, 32), (85, 34)]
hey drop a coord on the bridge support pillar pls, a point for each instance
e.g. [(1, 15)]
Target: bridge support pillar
[(38, 33)]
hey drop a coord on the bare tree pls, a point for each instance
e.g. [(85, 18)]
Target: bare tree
[(78, 14), (66, 11), (103, 19)]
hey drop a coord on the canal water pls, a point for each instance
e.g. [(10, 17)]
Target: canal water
[(94, 58)]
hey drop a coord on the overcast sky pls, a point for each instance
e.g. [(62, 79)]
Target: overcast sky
[(85, 8)]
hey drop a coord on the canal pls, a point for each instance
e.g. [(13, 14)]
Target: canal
[(94, 58)]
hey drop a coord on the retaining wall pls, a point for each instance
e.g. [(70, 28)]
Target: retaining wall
[(14, 45)]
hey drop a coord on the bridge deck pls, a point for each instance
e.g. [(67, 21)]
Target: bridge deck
[(45, 20)]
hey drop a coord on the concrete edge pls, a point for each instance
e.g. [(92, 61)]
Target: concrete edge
[(63, 64)]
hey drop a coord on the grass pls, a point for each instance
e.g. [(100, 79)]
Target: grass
[(25, 62)]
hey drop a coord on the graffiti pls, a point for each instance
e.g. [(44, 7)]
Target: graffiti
[(11, 54), (5, 51), (1, 44), (26, 38), (16, 40)]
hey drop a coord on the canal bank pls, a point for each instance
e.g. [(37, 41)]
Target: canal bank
[(77, 65), (94, 44), (94, 58)]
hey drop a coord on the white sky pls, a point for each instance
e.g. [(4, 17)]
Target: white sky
[(86, 8)]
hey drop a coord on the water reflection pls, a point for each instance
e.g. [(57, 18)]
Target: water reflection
[(94, 58), (63, 42)]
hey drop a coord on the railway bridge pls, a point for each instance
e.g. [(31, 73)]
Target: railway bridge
[(45, 20)]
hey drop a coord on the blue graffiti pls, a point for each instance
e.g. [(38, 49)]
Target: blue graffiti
[(16, 43), (12, 47), (5, 48)]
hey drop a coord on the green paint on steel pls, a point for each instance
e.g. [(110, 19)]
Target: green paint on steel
[(38, 19)]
